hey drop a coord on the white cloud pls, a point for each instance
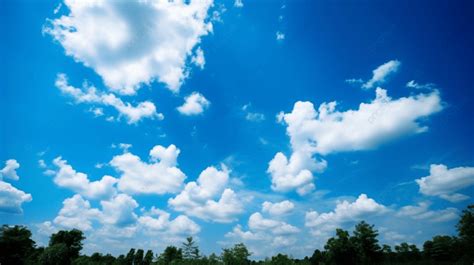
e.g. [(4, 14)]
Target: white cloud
[(422, 212), (327, 130), (345, 211), (77, 213), (354, 81), (197, 198), (252, 116), (279, 208), (445, 183), (65, 176), (413, 84), (238, 3), (198, 59), (160, 176), (11, 198), (380, 74), (157, 220), (89, 95), (119, 211), (130, 43), (280, 36), (9, 171), (194, 104), (258, 222)]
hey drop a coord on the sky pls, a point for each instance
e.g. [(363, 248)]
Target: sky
[(264, 122)]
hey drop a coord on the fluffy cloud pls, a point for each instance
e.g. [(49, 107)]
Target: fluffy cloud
[(279, 208), (445, 183), (380, 74), (89, 95), (345, 211), (194, 104), (328, 130), (11, 198), (422, 212), (129, 43), (258, 222), (159, 176), (157, 220), (65, 176), (197, 198), (9, 171), (238, 3), (77, 213), (119, 211)]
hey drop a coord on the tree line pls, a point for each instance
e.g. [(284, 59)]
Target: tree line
[(362, 247)]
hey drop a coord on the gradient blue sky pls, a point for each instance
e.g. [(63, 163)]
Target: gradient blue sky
[(249, 76)]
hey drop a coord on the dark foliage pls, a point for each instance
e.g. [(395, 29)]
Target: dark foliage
[(360, 248)]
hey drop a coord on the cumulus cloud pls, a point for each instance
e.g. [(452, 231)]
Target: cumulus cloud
[(327, 130), (161, 175), (279, 208), (11, 198), (345, 211), (90, 95), (77, 213), (258, 222), (198, 197), (65, 176), (194, 104), (445, 183), (157, 220), (130, 43), (381, 73), (422, 212), (9, 171), (198, 59)]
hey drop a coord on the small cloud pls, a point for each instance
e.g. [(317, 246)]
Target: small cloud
[(194, 104), (280, 36), (380, 74), (198, 59), (413, 84), (238, 3), (252, 116)]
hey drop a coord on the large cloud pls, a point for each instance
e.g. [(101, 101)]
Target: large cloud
[(278, 208), (445, 183), (65, 176), (11, 198), (129, 43), (159, 176), (345, 211), (198, 197), (89, 95), (328, 130)]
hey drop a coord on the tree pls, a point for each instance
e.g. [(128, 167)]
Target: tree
[(281, 259), (71, 239), (148, 259), (238, 255), (56, 254), (317, 257), (138, 259), (130, 257), (190, 250), (340, 249), (366, 242), (465, 228), (15, 244), (171, 254)]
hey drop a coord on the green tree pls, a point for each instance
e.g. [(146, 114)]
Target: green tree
[(281, 259), (171, 255), (317, 257), (190, 250), (138, 259), (148, 259), (237, 255), (56, 254), (465, 228), (15, 244), (366, 242), (340, 249), (130, 257), (71, 239)]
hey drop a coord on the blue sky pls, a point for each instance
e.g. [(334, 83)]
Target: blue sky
[(214, 119)]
